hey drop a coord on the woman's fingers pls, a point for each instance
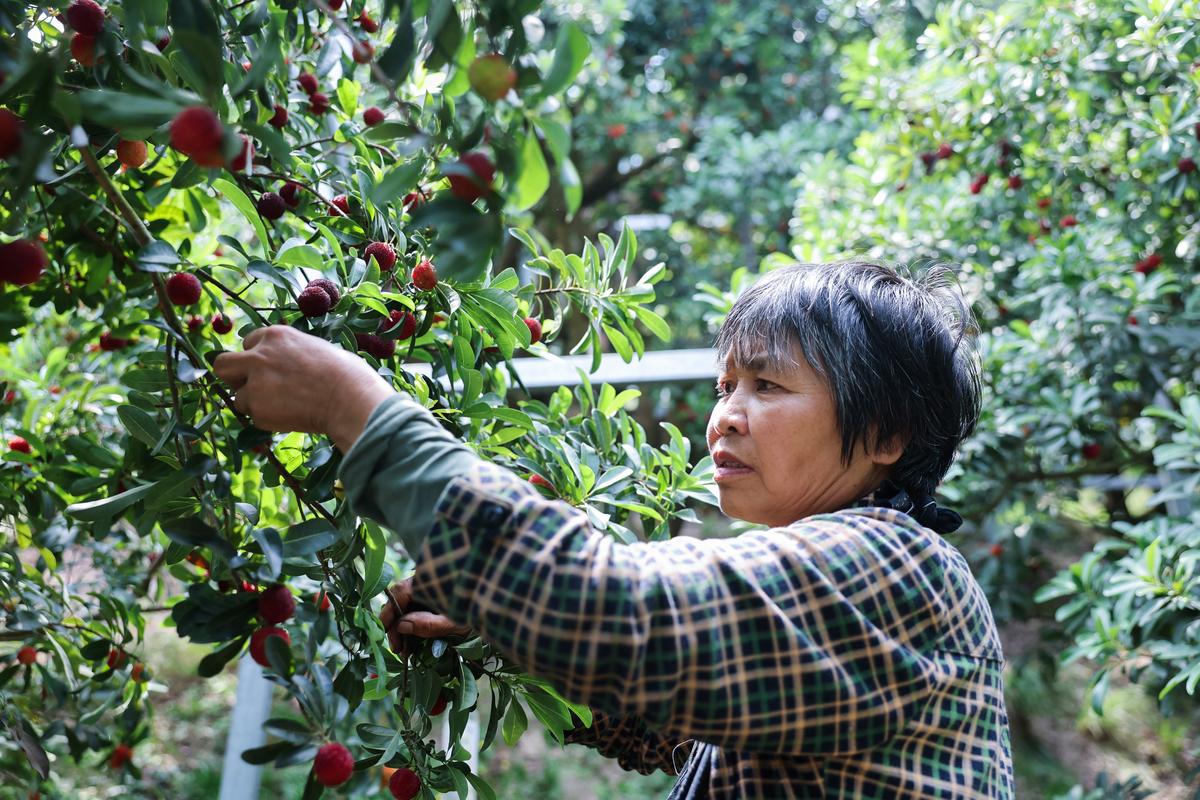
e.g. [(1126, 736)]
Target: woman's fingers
[(402, 617)]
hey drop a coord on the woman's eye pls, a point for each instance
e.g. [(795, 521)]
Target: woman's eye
[(765, 385), (723, 388)]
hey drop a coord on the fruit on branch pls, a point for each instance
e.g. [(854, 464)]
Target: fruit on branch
[(1091, 451), (535, 330), (194, 323), (375, 345), (466, 188), (83, 49), (362, 52), (439, 705), (290, 192), (322, 602), (1015, 182), (221, 323), (979, 182), (424, 276), (27, 655), (997, 550), (616, 130), (404, 319), (373, 116), (10, 133), (333, 765), (404, 784), (163, 42), (116, 658), (1186, 165), (538, 480), (491, 76), (122, 754), (138, 673), (313, 301), (183, 289), (1043, 202), (245, 156), (110, 343), (366, 22), (383, 253), (945, 150), (279, 118), (929, 159), (1148, 264), (21, 262), (339, 206), (271, 206), (131, 153), (197, 133), (318, 103), (308, 82), (85, 16), (335, 5), (1068, 221), (276, 604), (258, 643), (330, 288)]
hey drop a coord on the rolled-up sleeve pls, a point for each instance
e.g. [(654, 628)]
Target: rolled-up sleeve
[(812, 639)]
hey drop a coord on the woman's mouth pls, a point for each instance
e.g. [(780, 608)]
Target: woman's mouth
[(728, 467)]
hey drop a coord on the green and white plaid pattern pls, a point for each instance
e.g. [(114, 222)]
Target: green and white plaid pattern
[(846, 655)]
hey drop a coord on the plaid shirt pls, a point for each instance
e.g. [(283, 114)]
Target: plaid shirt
[(847, 655)]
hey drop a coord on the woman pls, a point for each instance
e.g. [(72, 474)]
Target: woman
[(845, 651)]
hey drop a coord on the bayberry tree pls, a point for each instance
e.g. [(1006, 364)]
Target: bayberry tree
[(178, 174)]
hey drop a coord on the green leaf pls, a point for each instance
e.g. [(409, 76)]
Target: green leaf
[(515, 723), (158, 256), (215, 661), (397, 61), (196, 33), (302, 255), (123, 111), (465, 239), (397, 181), (572, 186), (570, 51), (347, 92), (109, 507), (376, 547), (534, 178), (195, 532), (272, 548), (245, 205), (140, 425), (308, 537)]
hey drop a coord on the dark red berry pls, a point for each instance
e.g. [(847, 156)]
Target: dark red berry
[(383, 253), (280, 117), (468, 188), (21, 262), (313, 301), (221, 323), (258, 643), (308, 82), (424, 276), (373, 116), (183, 288), (333, 765), (271, 206), (535, 330), (276, 604), (86, 16), (329, 287), (290, 192)]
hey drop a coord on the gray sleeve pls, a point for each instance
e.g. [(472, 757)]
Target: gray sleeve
[(397, 469)]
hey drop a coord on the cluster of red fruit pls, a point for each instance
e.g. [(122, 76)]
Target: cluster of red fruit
[(86, 18), (1148, 264), (318, 297), (221, 323), (275, 605), (19, 444), (22, 262), (334, 765)]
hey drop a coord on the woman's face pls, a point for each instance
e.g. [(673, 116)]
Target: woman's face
[(773, 435)]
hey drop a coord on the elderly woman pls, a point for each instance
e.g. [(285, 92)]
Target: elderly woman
[(844, 651)]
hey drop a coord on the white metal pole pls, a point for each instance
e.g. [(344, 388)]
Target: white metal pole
[(239, 780)]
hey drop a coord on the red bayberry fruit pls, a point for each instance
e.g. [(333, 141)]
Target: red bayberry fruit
[(21, 262), (1006, 148), (83, 49), (405, 320), (381, 347), (329, 287), (271, 206), (10, 397), (1132, 320), (86, 16), (221, 323), (997, 550), (1068, 221), (163, 42), (491, 76), (131, 154), (245, 156), (333, 765), (413, 199), (1015, 182), (535, 330), (369, 25), (404, 784), (439, 706), (979, 182), (373, 116), (26, 655), (538, 480), (10, 133), (290, 192), (362, 52), (116, 658), (194, 323), (383, 253), (471, 189), (279, 118), (138, 673), (945, 150), (183, 289), (313, 301), (616, 130), (197, 133), (308, 82), (1091, 451), (322, 602), (339, 206), (335, 5), (122, 754), (929, 159), (1043, 202), (258, 643), (110, 343), (1186, 165), (318, 103), (276, 605), (424, 276)]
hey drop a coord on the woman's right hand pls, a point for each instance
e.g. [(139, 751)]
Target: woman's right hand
[(413, 620)]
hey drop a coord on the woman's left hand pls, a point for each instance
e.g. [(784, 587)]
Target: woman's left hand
[(414, 619), (287, 380)]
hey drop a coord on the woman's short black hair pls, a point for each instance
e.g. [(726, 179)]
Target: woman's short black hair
[(895, 348)]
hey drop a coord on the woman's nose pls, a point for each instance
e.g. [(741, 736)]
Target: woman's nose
[(729, 417)]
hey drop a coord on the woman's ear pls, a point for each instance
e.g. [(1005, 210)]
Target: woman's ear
[(887, 452)]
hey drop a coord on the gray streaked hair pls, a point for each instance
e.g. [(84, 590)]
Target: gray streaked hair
[(895, 348)]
